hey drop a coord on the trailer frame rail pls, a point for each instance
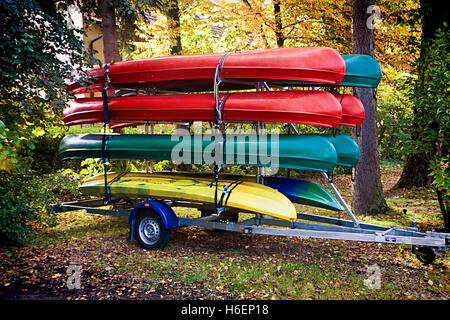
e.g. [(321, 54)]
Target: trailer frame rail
[(319, 227)]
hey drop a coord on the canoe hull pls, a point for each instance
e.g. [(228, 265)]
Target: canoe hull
[(298, 191), (346, 148), (352, 110), (304, 192), (302, 152), (361, 71), (196, 72), (317, 108), (242, 196)]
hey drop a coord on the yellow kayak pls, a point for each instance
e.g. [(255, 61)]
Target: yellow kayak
[(232, 193)]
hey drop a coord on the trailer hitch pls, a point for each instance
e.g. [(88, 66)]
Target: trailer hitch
[(413, 223)]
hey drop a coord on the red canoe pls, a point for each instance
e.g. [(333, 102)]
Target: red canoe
[(196, 72), (352, 110), (317, 108)]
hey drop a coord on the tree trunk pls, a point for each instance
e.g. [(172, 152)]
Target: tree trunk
[(278, 24), (173, 19), (415, 172), (110, 47), (368, 195), (444, 205)]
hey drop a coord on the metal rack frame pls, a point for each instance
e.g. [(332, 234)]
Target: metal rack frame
[(323, 227)]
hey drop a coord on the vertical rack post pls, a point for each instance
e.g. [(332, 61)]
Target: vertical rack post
[(147, 169), (146, 132), (259, 126)]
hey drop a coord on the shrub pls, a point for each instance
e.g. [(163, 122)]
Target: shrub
[(25, 202)]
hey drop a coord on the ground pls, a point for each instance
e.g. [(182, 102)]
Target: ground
[(207, 264)]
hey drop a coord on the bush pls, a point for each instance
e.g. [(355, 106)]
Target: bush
[(25, 202), (394, 116), (44, 155)]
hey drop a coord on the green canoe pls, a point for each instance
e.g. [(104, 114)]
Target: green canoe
[(360, 71), (303, 152), (346, 148)]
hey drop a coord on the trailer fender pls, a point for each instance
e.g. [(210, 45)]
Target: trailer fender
[(166, 213)]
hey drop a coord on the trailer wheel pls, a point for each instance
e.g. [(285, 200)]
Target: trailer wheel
[(425, 255), (150, 231), (226, 216), (230, 217)]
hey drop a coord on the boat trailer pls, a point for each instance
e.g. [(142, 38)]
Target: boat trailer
[(151, 221)]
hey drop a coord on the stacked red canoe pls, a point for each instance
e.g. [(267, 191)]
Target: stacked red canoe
[(240, 70)]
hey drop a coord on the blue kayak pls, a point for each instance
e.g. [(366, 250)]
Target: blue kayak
[(304, 192)]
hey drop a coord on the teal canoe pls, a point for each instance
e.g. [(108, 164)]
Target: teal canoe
[(346, 148), (360, 71), (302, 152)]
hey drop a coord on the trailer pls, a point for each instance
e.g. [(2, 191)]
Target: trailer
[(151, 221)]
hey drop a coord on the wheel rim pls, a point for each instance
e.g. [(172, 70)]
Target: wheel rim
[(149, 231)]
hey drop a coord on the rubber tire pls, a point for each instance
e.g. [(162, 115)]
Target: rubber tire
[(231, 217), (425, 255), (150, 216), (228, 216)]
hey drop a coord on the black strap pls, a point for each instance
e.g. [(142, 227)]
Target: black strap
[(215, 182), (330, 175), (234, 184), (220, 110), (226, 192), (105, 86), (105, 160), (357, 130), (117, 178)]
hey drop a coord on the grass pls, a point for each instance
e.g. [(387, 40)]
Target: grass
[(204, 264)]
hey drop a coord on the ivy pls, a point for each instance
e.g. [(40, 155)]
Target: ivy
[(39, 51)]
